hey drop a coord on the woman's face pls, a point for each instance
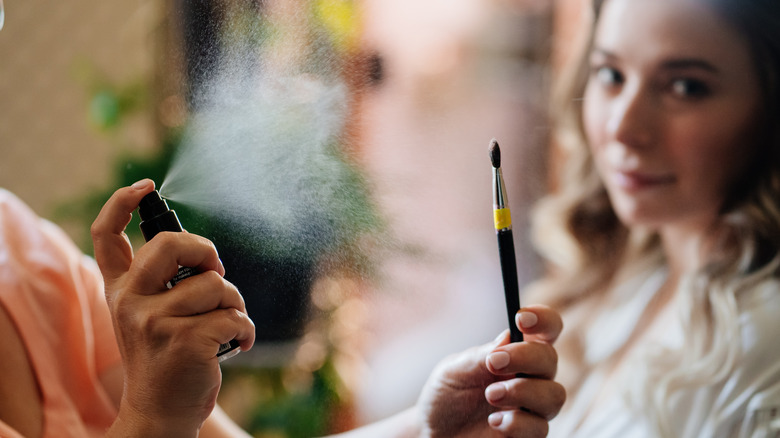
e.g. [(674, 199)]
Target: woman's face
[(670, 110)]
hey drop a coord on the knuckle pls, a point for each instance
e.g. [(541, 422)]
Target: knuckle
[(553, 357), (237, 294), (549, 355), (235, 316), (122, 308), (96, 229), (243, 322), (542, 429), (141, 269), (208, 243), (183, 338), (151, 323), (165, 241), (544, 353), (213, 280), (205, 244), (528, 425), (216, 282), (558, 397), (536, 427)]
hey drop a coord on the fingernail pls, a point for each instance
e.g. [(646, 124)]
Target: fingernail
[(141, 184), (495, 419), (495, 392), (501, 336), (526, 319), (499, 360)]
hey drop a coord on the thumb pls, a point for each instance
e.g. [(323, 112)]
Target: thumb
[(470, 367), (113, 251)]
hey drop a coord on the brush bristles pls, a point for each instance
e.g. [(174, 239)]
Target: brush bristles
[(495, 154)]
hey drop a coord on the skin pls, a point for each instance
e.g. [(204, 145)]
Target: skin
[(169, 339), (452, 402), (669, 111)]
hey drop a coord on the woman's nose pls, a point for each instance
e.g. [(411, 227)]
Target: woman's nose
[(631, 120)]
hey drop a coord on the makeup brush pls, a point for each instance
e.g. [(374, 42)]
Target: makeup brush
[(506, 245)]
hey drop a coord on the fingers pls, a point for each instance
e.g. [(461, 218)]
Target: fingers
[(220, 326), (196, 295), (543, 398), (193, 318), (518, 424), (112, 249), (537, 359), (527, 402), (159, 259), (540, 323), (535, 356)]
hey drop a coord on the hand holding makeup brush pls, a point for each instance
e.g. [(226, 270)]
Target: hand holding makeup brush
[(477, 394)]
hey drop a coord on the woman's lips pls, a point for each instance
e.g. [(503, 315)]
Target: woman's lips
[(633, 180)]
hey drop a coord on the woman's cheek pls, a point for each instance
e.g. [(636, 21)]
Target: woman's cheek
[(592, 119)]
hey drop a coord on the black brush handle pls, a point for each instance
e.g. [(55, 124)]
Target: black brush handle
[(506, 252)]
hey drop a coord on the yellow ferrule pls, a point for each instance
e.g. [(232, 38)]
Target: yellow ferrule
[(502, 218)]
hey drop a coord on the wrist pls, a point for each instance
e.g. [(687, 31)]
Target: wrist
[(411, 423), (131, 423)]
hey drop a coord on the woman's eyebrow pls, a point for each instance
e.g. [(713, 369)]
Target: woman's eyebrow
[(596, 51), (668, 64), (689, 63)]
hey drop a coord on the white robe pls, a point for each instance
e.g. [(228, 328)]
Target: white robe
[(746, 404)]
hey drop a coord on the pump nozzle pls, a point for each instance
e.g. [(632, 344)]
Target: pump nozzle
[(156, 216)]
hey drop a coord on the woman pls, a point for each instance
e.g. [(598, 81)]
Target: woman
[(663, 234)]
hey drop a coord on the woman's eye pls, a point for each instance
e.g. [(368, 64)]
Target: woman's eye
[(689, 88), (608, 76)]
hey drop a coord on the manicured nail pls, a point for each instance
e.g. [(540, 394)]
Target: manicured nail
[(495, 392), (141, 184), (495, 419), (526, 319), (499, 360)]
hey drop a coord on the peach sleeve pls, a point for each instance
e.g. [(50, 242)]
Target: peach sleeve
[(54, 295), (106, 350)]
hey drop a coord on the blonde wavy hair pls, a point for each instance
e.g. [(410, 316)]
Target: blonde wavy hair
[(587, 247)]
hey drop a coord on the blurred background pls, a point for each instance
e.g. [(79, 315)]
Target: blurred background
[(98, 95)]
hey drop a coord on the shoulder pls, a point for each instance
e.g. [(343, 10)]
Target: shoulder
[(28, 238), (758, 315), (759, 330), (753, 385), (34, 250), (13, 210)]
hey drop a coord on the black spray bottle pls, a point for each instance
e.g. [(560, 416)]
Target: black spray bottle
[(156, 216)]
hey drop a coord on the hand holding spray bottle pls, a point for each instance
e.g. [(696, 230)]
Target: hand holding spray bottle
[(156, 216)]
